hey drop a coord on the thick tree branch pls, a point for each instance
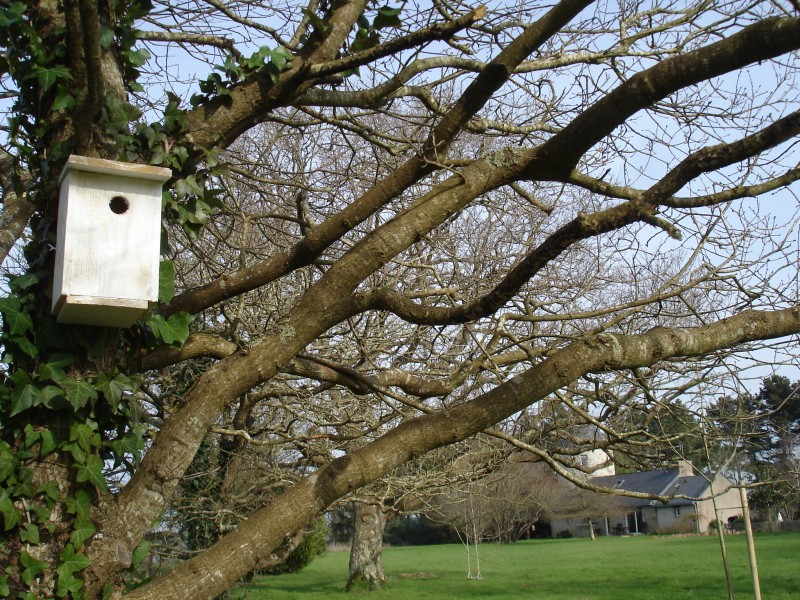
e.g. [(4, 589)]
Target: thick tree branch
[(222, 120), (735, 193), (761, 41), (240, 551), (543, 162), (197, 345), (207, 345), (584, 226), (721, 155), (321, 236), (184, 37), (438, 31), (15, 216), (16, 210), (90, 27)]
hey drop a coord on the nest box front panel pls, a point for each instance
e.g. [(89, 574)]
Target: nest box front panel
[(107, 254)]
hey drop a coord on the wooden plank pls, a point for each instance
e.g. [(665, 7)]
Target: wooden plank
[(113, 167), (95, 310)]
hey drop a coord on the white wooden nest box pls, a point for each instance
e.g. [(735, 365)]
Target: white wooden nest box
[(108, 245)]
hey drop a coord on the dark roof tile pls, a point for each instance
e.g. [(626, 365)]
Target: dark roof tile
[(661, 482)]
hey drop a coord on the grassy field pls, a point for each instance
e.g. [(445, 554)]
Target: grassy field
[(613, 568)]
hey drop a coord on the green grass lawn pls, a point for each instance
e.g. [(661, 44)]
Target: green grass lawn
[(612, 568)]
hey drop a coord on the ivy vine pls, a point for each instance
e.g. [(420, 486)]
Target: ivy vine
[(59, 403)]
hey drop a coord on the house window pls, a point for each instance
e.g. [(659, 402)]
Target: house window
[(677, 511)]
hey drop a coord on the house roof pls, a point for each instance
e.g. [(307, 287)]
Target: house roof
[(661, 482)]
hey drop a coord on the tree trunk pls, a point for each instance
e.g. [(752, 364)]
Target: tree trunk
[(366, 563)]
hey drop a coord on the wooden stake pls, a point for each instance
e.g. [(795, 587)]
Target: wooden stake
[(748, 528)]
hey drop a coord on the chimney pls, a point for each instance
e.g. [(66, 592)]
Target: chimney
[(685, 468)]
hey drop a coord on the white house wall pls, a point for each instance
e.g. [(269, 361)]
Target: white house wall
[(658, 518)]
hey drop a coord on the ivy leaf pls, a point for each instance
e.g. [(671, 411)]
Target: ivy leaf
[(130, 444), (157, 156), (22, 399), (48, 443), (11, 516), (8, 461), (53, 369), (114, 388), (188, 186), (32, 567), (273, 72), (20, 283), (43, 515), (137, 10), (137, 57), (172, 331), (71, 563), (92, 471), (4, 591), (68, 584), (77, 392), (49, 76), (83, 529), (12, 15), (210, 84), (256, 61), (31, 435), (106, 37), (178, 157), (64, 98), (24, 485), (212, 156), (80, 503), (281, 56), (174, 115), (17, 320), (85, 435), (141, 552), (166, 281), (120, 113), (50, 489), (27, 346), (213, 198), (387, 17), (315, 20), (29, 533), (149, 134), (78, 455), (196, 212), (50, 396)]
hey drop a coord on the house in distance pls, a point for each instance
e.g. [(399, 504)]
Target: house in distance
[(690, 508)]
